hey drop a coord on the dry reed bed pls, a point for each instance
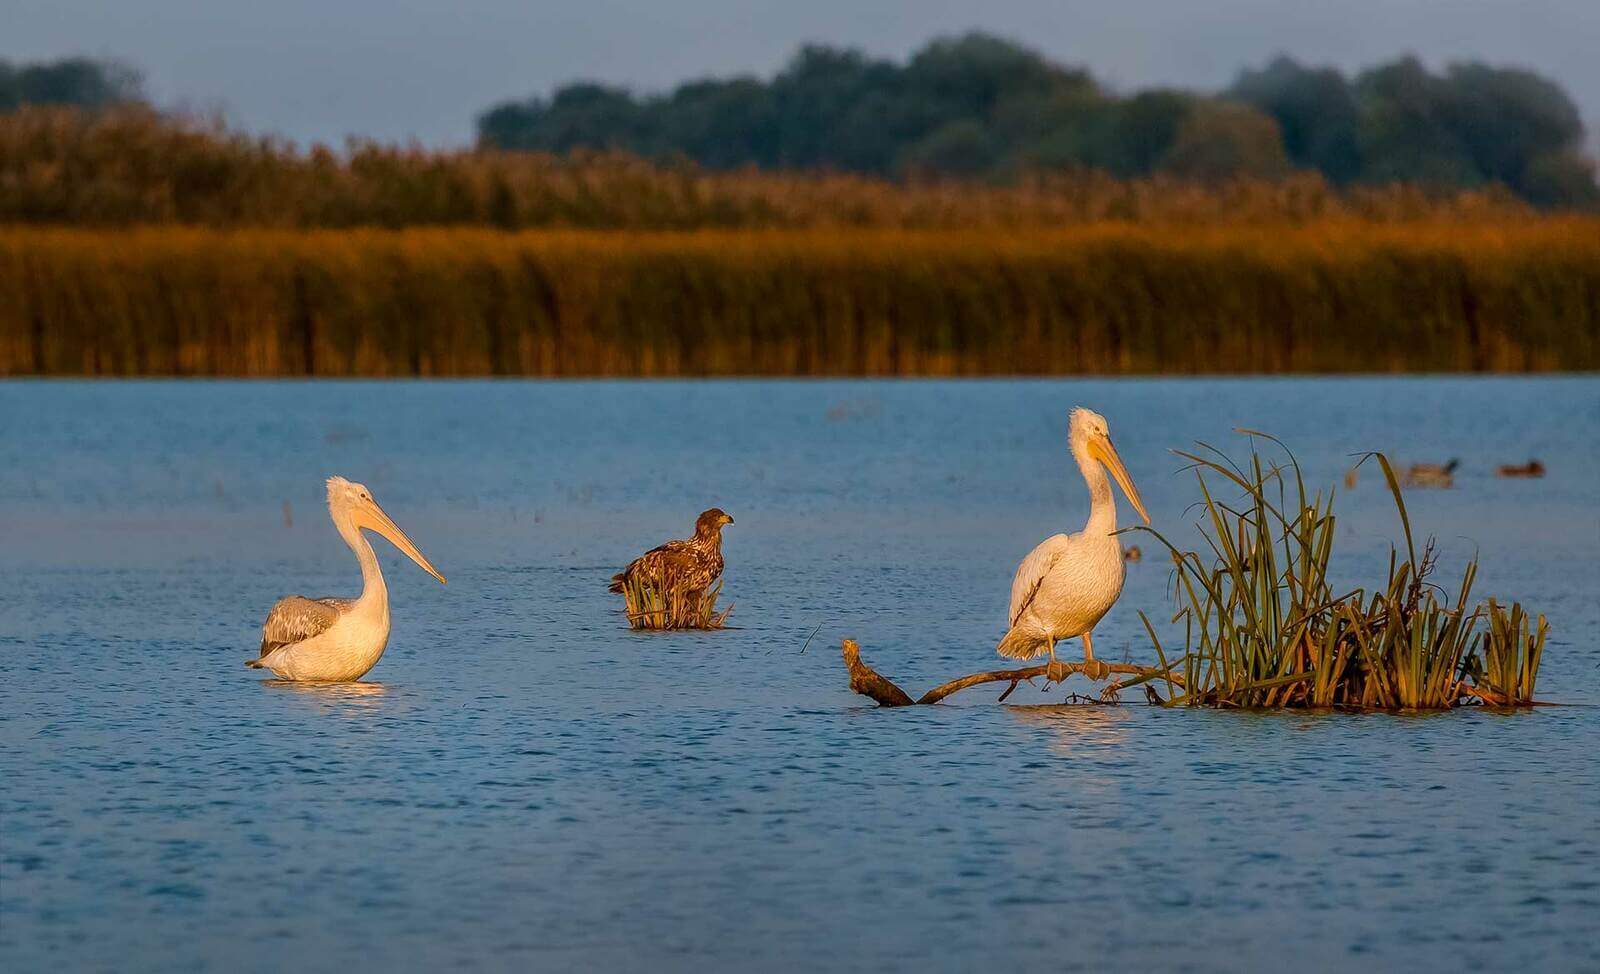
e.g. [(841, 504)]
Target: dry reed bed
[(1108, 298)]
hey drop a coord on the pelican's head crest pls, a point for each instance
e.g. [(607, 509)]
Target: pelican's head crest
[(343, 493), (1090, 436), (1086, 424), (351, 503)]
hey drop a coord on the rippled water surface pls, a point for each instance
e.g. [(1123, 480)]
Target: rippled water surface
[(524, 784)]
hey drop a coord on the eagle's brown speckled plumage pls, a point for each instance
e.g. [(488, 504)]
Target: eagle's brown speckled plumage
[(683, 567)]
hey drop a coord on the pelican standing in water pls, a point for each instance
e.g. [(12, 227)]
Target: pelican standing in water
[(338, 639), (1067, 583)]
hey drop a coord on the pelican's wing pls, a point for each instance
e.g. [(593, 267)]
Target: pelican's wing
[(1031, 573), (296, 618)]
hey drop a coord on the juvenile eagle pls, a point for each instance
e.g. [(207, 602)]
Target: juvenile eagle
[(685, 567)]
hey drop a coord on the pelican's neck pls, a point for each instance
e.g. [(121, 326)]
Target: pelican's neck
[(1102, 507), (373, 591)]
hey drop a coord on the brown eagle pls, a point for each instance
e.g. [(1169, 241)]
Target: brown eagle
[(682, 567)]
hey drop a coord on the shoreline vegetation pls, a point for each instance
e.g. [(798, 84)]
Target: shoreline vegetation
[(134, 243), (132, 166), (983, 107), (1327, 296)]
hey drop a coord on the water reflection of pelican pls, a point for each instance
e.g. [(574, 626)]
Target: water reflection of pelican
[(1076, 727), (348, 697), (338, 639)]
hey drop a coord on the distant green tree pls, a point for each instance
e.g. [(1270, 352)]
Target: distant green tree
[(1565, 178), (969, 76), (963, 148), (841, 109), (1222, 140), (721, 124), (1409, 129), (1063, 130), (1143, 130), (1506, 120), (1315, 109), (83, 82), (578, 115), (1126, 137), (982, 107)]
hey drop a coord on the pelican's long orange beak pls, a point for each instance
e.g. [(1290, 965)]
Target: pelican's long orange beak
[(1100, 447), (370, 515)]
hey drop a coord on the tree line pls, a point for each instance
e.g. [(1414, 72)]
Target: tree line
[(982, 107), (131, 164), (79, 81)]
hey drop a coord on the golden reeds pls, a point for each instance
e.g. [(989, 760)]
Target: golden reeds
[(1101, 298)]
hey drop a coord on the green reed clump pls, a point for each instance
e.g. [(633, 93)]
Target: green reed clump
[(1264, 627), (1509, 666), (649, 607)]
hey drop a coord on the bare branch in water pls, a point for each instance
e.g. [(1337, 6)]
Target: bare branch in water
[(867, 682)]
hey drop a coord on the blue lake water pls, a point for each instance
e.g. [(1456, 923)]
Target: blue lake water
[(524, 784)]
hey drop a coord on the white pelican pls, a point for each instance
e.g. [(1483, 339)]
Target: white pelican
[(1067, 583), (338, 639)]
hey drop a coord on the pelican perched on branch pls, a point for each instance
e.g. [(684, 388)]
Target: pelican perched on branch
[(1067, 583), (338, 639)]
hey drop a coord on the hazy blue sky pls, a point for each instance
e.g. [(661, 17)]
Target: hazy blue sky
[(318, 69)]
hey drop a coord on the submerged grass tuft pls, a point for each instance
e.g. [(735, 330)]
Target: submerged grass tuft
[(651, 608), (1263, 626)]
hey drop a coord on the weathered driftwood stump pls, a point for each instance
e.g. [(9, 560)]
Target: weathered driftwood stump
[(867, 682)]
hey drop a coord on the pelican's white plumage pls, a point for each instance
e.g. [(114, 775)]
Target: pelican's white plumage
[(1066, 584), (338, 639)]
